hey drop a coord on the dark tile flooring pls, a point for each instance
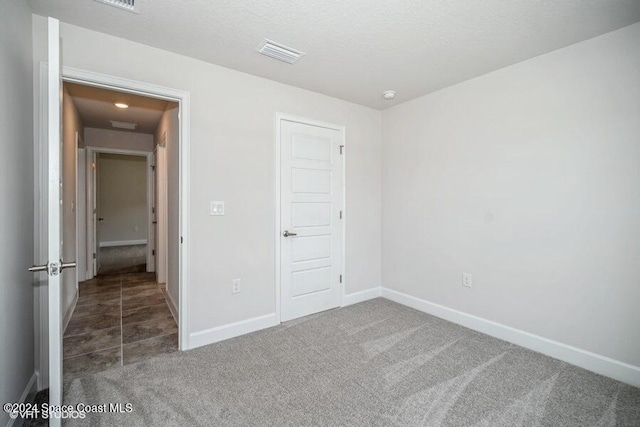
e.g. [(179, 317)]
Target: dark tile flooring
[(118, 320)]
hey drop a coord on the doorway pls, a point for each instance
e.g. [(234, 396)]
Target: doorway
[(122, 210), (121, 312), (311, 217)]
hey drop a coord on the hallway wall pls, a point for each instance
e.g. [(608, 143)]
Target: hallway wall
[(122, 199), (118, 140), (170, 124), (16, 192), (71, 123)]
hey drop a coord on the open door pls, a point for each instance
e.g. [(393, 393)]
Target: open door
[(55, 265)]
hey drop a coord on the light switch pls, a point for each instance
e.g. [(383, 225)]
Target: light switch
[(217, 208)]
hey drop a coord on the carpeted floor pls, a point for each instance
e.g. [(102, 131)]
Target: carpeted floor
[(372, 364), (123, 259)]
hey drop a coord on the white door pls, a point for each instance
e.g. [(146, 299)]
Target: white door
[(311, 211), (54, 203)]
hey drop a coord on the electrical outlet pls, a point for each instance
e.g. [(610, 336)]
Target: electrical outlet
[(235, 287), (467, 280)]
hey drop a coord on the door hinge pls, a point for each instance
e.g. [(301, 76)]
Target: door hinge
[(340, 214), (153, 167), (94, 256), (341, 148), (181, 239), (153, 252), (341, 278)]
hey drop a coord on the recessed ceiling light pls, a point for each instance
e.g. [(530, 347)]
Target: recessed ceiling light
[(388, 95), (121, 105)]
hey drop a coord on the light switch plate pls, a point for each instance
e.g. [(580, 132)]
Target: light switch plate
[(217, 208)]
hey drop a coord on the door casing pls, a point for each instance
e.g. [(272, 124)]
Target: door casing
[(280, 117)]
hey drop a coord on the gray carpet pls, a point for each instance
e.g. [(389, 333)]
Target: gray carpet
[(123, 259), (372, 364)]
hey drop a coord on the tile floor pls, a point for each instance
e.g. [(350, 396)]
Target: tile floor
[(118, 320)]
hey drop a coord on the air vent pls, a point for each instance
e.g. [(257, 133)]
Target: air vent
[(129, 5), (280, 52), (123, 125)]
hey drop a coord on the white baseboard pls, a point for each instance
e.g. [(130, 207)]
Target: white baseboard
[(224, 332), (123, 243), (597, 363), (171, 303), (361, 296), (69, 312), (30, 389)]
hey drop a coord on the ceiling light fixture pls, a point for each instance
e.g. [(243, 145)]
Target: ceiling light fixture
[(388, 95), (121, 105)]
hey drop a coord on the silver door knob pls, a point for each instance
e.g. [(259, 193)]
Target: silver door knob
[(64, 265), (287, 233), (37, 268)]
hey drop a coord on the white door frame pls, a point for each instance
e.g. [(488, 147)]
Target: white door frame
[(162, 210), (280, 117), (90, 78), (92, 192)]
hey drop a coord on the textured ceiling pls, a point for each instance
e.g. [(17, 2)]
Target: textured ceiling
[(97, 109), (356, 49)]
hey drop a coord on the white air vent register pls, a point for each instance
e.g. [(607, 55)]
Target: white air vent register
[(129, 5), (280, 52)]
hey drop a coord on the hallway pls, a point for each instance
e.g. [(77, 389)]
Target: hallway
[(118, 320)]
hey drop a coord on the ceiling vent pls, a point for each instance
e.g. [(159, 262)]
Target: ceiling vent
[(123, 125), (280, 52), (128, 5)]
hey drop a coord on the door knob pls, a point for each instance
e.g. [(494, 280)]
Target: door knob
[(287, 233), (55, 268), (37, 268), (101, 219), (64, 265)]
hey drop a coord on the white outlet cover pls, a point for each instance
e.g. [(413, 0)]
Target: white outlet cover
[(467, 280), (216, 208)]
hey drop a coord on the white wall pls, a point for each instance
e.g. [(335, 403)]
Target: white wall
[(117, 140), (72, 123), (169, 124), (232, 159), (122, 196), (16, 193), (528, 178)]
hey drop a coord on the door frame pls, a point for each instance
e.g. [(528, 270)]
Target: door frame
[(105, 81), (279, 118), (93, 192)]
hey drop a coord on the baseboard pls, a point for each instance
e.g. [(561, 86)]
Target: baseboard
[(123, 243), (361, 296), (171, 303), (69, 312), (232, 330), (597, 363), (28, 391)]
